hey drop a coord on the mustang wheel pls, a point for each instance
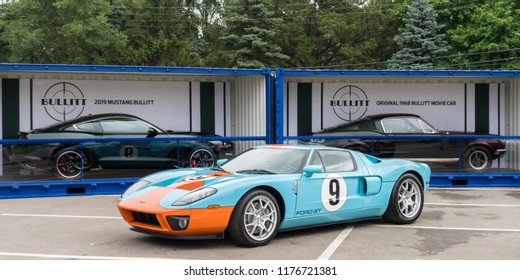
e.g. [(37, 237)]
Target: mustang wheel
[(255, 220), (69, 164), (477, 159), (202, 158), (406, 200)]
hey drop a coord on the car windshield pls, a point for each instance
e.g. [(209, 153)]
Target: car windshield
[(268, 161)]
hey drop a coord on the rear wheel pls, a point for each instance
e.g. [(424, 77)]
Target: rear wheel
[(202, 158), (476, 159), (190, 158), (361, 149), (69, 163), (406, 201)]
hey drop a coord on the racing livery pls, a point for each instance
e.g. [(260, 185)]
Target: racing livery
[(274, 188)]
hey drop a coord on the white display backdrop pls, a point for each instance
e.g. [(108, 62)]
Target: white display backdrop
[(164, 103), (447, 106)]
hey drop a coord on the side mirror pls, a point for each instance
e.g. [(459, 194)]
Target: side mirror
[(152, 132), (221, 161), (309, 170)]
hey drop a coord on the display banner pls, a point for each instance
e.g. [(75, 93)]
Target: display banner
[(167, 104), (447, 106), (159, 102)]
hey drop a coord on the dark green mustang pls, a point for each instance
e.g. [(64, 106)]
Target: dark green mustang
[(148, 146)]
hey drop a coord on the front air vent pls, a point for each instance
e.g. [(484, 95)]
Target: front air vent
[(145, 218)]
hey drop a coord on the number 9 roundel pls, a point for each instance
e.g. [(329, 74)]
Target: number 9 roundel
[(333, 192)]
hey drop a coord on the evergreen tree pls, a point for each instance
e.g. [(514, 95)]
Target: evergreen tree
[(420, 40), (205, 50), (159, 32), (250, 33), (355, 34)]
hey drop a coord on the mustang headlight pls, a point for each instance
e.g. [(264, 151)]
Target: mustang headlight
[(195, 196), (136, 186)]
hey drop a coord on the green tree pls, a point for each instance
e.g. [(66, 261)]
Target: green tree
[(205, 50), (248, 38), (296, 39), (484, 33), (60, 31), (158, 32), (420, 40), (334, 33)]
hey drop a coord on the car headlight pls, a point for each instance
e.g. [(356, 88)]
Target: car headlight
[(136, 186), (195, 196)]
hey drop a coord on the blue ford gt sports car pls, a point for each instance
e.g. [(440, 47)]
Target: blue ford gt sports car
[(274, 188)]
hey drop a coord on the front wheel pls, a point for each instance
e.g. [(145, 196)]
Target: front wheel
[(406, 201), (255, 219)]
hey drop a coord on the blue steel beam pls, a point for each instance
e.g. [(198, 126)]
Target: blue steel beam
[(399, 73), (129, 69)]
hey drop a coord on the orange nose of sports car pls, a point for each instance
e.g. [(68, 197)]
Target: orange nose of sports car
[(145, 213)]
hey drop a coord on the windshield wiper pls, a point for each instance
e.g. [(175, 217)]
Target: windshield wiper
[(255, 171)]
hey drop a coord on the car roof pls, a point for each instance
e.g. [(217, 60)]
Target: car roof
[(387, 115), (375, 117), (85, 118), (299, 146)]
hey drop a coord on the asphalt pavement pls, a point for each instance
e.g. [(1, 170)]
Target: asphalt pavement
[(456, 224)]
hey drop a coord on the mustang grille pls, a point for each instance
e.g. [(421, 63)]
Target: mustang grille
[(145, 218)]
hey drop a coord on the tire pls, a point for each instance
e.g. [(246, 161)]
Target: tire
[(359, 148), (69, 164), (255, 220), (173, 162), (202, 158), (406, 201), (476, 159), (189, 159)]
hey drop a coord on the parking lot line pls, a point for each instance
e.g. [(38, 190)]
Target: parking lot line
[(335, 244), (59, 216), (472, 205), (50, 256), (449, 228), (475, 189)]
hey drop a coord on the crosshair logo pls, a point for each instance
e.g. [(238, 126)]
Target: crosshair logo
[(63, 101), (349, 103)]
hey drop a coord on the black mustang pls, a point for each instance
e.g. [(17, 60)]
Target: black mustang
[(473, 154)]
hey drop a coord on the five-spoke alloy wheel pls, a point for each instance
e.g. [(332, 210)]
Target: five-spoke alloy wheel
[(202, 158), (69, 164)]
